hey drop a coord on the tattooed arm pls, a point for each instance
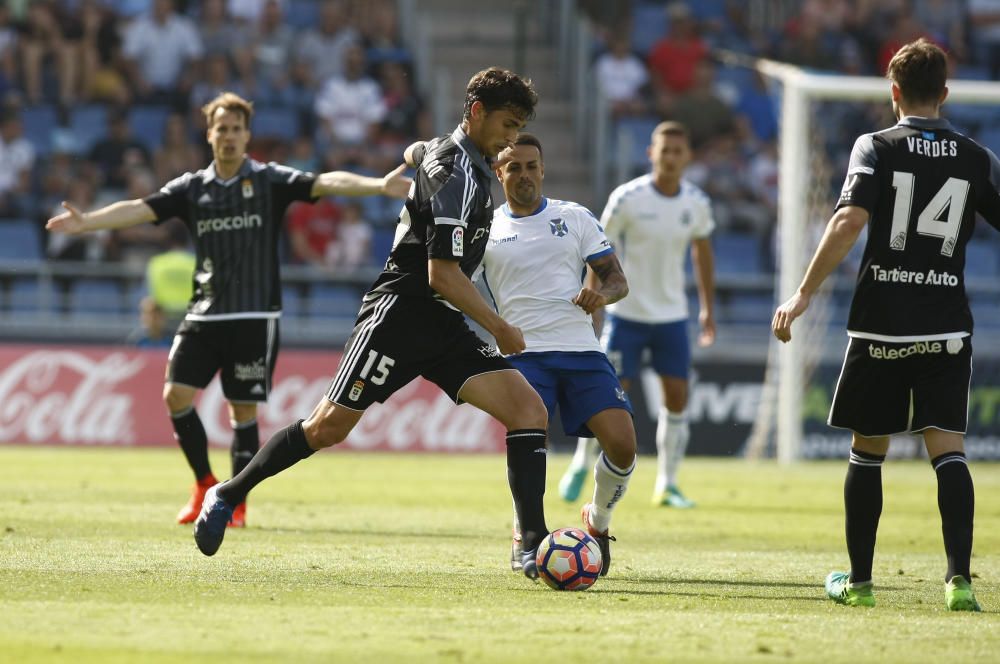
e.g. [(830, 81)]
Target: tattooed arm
[(605, 283)]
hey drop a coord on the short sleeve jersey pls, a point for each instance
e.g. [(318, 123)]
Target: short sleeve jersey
[(534, 267), (922, 183), (236, 225), (447, 216), (652, 233)]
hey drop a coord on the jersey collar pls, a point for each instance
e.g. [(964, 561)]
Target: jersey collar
[(464, 142), (924, 123), (210, 174), (538, 210)]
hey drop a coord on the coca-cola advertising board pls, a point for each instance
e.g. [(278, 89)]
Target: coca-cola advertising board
[(108, 395)]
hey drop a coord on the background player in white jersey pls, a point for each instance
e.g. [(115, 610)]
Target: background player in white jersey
[(534, 264), (917, 186), (652, 221)]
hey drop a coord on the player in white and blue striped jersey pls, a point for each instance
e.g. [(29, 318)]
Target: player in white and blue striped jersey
[(548, 267)]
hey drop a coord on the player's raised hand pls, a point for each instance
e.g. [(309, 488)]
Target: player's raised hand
[(396, 184), (589, 300), (707, 323), (69, 222), (781, 324), (510, 340)]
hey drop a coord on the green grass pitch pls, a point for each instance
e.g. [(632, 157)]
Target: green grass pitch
[(385, 558)]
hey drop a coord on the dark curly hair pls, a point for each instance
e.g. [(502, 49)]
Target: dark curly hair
[(499, 89)]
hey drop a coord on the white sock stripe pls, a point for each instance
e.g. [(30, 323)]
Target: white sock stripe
[(367, 329), (525, 435), (951, 459), (858, 460), (615, 469)]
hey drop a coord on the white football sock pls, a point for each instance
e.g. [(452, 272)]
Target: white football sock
[(610, 484), (586, 450), (671, 441)]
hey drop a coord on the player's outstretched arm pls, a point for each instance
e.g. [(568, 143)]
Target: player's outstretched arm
[(117, 215), (344, 183), (605, 284), (840, 235), (448, 280), (704, 270)]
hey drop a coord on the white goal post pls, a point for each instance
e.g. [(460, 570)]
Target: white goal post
[(799, 89)]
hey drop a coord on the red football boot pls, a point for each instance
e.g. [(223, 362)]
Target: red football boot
[(190, 511), (239, 518)]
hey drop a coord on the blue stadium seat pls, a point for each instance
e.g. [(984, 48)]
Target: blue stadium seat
[(291, 301), (649, 25), (707, 9), (302, 14), (747, 308), (737, 253), (20, 239), (89, 124), (985, 311), (382, 240), (333, 302), (275, 122), (982, 260), (25, 295), (39, 123), (96, 296), (637, 131), (134, 296), (147, 124)]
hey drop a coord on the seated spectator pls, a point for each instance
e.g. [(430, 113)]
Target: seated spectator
[(350, 107), (219, 34), (8, 51), (137, 244), (904, 28), (105, 72), (706, 116), (266, 63), (248, 11), (944, 21), (218, 78), (303, 155), (621, 75), (322, 49), (405, 120), (119, 151), (984, 19), (43, 40), (380, 34), (160, 48), (178, 154), (673, 60), (154, 330), (352, 248), (18, 158), (312, 229)]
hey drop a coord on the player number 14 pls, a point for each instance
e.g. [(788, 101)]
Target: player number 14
[(950, 196), (382, 371)]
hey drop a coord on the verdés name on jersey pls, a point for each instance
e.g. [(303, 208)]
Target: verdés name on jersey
[(923, 184), (236, 226)]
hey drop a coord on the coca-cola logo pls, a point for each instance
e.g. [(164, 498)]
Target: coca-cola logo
[(417, 417), (66, 396)]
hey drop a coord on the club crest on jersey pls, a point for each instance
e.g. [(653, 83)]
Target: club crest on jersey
[(355, 392), (247, 189), (558, 227), (458, 242)]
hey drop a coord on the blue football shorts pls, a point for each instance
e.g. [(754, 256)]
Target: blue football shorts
[(582, 384), (625, 340)]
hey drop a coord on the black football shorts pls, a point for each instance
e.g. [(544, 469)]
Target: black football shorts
[(397, 338), (881, 381), (244, 351)]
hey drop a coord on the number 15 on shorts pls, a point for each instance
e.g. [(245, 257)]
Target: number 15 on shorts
[(381, 364)]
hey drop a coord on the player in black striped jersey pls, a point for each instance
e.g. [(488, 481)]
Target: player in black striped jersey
[(411, 321), (233, 209), (917, 186)]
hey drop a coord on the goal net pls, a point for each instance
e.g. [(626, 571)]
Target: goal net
[(820, 116)]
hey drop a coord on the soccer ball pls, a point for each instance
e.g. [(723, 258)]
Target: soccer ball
[(569, 559)]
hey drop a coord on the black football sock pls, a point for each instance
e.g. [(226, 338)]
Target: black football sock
[(190, 435), (526, 454), (246, 442), (285, 449), (957, 503), (863, 507)]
